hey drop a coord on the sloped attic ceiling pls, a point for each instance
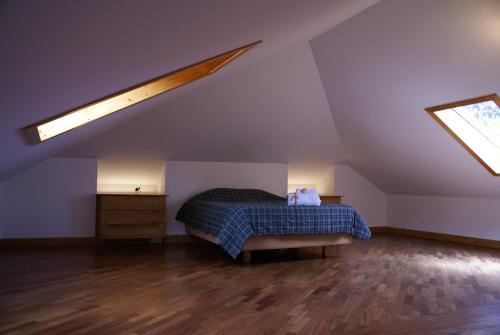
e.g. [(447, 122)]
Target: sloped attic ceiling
[(273, 110), (383, 67), (57, 54)]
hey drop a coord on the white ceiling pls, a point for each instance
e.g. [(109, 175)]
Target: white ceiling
[(58, 54), (384, 66), (356, 93), (257, 113)]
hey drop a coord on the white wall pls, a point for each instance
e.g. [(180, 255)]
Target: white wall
[(2, 210), (55, 198), (475, 217), (361, 194), (318, 176), (125, 174), (186, 179), (163, 176)]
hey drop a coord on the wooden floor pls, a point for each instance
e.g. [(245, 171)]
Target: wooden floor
[(389, 285)]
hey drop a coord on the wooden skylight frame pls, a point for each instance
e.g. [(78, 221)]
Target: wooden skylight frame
[(490, 163), (77, 117)]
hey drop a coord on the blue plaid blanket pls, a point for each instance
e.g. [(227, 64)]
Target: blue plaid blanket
[(233, 215)]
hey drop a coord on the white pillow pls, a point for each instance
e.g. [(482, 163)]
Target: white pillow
[(307, 197)]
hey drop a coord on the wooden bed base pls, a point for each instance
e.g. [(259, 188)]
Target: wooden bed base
[(268, 242)]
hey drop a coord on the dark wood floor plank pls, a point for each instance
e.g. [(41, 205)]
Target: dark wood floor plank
[(389, 285)]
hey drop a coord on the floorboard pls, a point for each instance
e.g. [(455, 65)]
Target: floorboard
[(389, 285)]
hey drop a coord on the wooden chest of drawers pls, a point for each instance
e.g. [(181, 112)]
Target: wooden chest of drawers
[(124, 216), (330, 199)]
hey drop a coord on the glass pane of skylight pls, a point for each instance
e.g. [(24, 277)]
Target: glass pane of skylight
[(478, 126), (485, 117)]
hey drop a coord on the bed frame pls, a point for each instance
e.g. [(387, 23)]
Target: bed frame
[(268, 242)]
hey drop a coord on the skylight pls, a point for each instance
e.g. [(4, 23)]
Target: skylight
[(64, 122), (474, 123)]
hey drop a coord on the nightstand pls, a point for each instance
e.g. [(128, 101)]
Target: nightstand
[(130, 216), (330, 199)]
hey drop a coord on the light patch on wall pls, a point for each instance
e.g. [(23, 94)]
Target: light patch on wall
[(62, 123), (318, 176), (124, 176), (294, 187), (474, 123)]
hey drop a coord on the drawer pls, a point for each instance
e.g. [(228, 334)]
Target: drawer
[(132, 231), (131, 202), (127, 217)]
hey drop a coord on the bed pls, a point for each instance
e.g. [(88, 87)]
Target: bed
[(242, 220)]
